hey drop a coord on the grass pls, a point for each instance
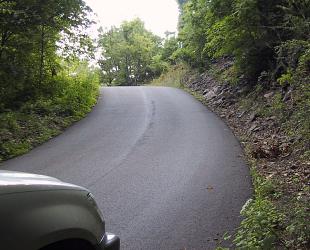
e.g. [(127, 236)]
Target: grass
[(38, 121), (20, 132), (172, 77)]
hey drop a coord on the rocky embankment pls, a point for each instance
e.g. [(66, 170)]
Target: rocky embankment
[(276, 154)]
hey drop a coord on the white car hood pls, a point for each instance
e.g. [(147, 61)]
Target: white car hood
[(17, 182)]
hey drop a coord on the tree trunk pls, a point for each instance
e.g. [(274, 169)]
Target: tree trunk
[(4, 38), (127, 71), (42, 48)]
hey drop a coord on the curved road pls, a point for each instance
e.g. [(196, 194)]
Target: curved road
[(166, 172)]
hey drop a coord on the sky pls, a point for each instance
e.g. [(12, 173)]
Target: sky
[(159, 16)]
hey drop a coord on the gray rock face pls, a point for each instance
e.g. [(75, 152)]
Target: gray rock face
[(269, 95), (209, 95)]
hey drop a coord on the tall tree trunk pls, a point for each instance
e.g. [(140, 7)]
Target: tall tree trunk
[(4, 38), (42, 51), (127, 71)]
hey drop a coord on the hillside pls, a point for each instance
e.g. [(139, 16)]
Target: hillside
[(273, 127), (249, 61)]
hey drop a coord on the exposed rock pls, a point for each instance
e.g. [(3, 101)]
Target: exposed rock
[(253, 117), (265, 151), (254, 128), (209, 95), (216, 89), (272, 118), (219, 102), (294, 166), (269, 95), (241, 114), (287, 96)]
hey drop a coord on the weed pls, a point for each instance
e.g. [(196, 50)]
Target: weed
[(299, 230), (172, 77), (261, 218), (38, 121), (14, 148)]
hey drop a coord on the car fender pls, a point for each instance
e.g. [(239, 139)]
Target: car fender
[(32, 220)]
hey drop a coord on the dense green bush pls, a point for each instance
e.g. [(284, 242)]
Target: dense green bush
[(74, 94), (261, 218), (192, 33), (249, 30), (131, 54), (294, 63), (32, 36)]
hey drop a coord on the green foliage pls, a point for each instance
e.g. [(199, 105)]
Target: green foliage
[(286, 78), (172, 77), (40, 93), (291, 55), (192, 33), (130, 54), (75, 93), (226, 74), (257, 229), (293, 59), (14, 148), (296, 18), (277, 105), (218, 34), (78, 89), (249, 30), (244, 33), (261, 219), (170, 46), (31, 35), (298, 229)]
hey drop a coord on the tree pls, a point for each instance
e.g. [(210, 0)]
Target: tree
[(170, 46), (192, 33), (129, 54), (247, 30), (30, 31)]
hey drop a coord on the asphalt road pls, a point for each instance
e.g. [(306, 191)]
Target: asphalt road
[(166, 172)]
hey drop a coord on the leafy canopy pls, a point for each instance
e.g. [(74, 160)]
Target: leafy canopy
[(130, 54)]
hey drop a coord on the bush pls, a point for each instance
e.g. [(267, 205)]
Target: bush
[(261, 218), (293, 59), (38, 120)]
